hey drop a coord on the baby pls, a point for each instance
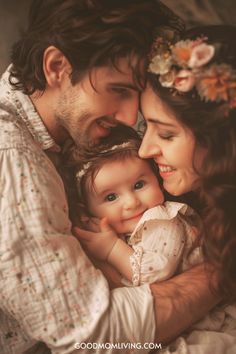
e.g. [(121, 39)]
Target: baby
[(151, 240)]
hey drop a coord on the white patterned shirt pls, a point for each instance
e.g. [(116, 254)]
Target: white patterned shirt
[(165, 242), (49, 290)]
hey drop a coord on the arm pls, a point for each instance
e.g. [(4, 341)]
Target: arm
[(112, 276), (155, 257), (181, 301), (107, 246)]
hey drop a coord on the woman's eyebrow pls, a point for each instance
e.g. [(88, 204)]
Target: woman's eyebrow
[(157, 121)]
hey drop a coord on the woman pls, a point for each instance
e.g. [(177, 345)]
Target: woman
[(189, 107)]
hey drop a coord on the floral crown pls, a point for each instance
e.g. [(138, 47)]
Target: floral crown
[(186, 66)]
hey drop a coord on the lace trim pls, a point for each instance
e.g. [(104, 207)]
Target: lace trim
[(135, 262)]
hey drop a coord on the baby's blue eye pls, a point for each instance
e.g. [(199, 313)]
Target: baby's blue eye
[(139, 185), (111, 197)]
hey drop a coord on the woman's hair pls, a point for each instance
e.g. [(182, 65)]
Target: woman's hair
[(122, 143), (216, 132), (90, 33)]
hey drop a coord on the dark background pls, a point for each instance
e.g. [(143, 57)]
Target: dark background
[(13, 14)]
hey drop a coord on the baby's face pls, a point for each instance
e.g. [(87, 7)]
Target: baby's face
[(123, 191)]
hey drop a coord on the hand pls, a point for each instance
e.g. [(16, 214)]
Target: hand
[(97, 244), (90, 223)]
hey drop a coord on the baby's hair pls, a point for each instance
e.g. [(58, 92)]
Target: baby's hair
[(122, 143)]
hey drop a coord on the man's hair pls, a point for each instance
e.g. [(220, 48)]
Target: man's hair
[(90, 33)]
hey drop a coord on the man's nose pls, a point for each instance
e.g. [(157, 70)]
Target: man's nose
[(127, 112)]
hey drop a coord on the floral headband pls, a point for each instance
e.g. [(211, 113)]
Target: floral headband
[(186, 66)]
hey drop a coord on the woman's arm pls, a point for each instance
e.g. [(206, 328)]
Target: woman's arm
[(181, 301)]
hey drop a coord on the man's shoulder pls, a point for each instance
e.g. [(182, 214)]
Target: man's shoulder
[(12, 132)]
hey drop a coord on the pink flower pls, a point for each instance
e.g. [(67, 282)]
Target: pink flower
[(181, 52), (184, 81), (217, 82), (201, 55)]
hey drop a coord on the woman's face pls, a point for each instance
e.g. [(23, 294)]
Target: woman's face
[(170, 144)]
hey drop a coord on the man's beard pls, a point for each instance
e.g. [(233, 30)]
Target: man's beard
[(79, 137)]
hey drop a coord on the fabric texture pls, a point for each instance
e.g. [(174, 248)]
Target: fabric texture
[(165, 242), (49, 290), (166, 238)]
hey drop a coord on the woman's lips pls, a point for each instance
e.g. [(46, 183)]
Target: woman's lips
[(166, 170)]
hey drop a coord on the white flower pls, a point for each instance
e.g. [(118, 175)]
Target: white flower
[(184, 81), (160, 64), (201, 55), (82, 172), (167, 80)]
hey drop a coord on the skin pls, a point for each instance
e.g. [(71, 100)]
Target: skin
[(170, 144), (122, 191), (87, 110)]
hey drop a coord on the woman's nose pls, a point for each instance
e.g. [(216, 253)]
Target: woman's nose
[(149, 148)]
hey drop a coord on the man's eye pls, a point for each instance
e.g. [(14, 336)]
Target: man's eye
[(111, 197), (139, 185), (122, 91)]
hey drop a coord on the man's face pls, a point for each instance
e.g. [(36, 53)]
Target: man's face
[(98, 102)]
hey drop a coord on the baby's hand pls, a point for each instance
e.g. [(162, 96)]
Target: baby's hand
[(97, 244), (90, 223)]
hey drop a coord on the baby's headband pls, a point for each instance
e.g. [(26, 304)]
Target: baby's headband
[(185, 66), (128, 145)]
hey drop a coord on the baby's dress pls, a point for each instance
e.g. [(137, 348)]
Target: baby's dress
[(165, 242)]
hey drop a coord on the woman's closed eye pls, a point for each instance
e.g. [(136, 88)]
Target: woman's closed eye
[(167, 136), (139, 184)]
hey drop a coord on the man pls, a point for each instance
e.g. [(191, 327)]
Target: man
[(77, 71)]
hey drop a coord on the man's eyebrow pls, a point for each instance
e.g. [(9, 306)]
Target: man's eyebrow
[(125, 85)]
